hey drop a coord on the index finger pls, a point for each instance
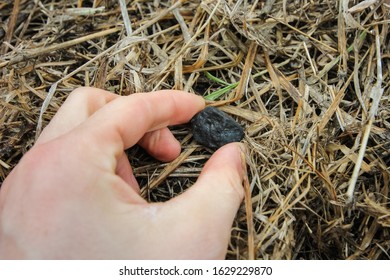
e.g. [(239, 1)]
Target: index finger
[(121, 123)]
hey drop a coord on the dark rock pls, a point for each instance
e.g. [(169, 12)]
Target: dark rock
[(213, 128)]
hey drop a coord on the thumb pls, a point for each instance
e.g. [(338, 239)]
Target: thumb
[(212, 202)]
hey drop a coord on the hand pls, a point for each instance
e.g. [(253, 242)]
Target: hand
[(74, 196)]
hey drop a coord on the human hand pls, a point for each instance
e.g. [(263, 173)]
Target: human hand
[(74, 196)]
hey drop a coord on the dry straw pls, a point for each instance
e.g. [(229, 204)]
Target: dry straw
[(309, 81)]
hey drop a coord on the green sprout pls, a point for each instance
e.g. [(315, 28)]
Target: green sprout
[(217, 94)]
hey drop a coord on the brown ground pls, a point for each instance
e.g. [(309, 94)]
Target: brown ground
[(309, 81)]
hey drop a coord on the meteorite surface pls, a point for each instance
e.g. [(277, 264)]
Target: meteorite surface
[(213, 128)]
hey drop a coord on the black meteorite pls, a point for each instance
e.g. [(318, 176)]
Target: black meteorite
[(213, 128)]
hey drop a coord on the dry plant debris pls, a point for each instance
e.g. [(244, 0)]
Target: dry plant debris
[(309, 81)]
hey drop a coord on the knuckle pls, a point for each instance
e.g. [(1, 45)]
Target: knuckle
[(81, 93)]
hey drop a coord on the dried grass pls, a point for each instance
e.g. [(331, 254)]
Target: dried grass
[(312, 92)]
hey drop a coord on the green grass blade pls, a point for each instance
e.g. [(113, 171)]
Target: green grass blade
[(215, 79), (217, 94)]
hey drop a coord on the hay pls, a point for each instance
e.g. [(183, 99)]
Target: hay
[(309, 80)]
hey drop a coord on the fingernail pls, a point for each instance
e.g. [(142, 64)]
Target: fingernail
[(202, 101)]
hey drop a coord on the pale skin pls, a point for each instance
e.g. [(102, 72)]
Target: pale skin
[(74, 196)]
